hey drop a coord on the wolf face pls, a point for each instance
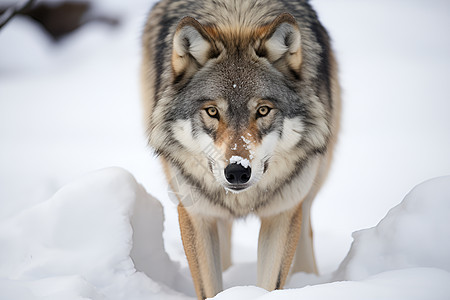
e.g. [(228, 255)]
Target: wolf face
[(236, 111), (237, 120)]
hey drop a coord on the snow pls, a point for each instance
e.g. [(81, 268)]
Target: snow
[(87, 241), (235, 159), (404, 238), (420, 283), (70, 108)]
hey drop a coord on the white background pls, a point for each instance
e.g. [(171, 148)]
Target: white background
[(70, 108)]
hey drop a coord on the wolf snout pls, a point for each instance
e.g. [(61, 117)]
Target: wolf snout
[(237, 174)]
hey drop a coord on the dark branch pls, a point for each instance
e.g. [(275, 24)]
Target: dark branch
[(12, 11)]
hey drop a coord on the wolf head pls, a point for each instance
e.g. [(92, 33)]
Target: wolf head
[(241, 108)]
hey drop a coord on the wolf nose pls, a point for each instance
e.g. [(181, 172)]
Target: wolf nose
[(237, 174)]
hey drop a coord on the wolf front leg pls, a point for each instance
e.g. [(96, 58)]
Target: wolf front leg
[(224, 227), (201, 245), (304, 260), (278, 238)]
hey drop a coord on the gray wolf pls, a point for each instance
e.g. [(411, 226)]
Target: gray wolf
[(242, 102)]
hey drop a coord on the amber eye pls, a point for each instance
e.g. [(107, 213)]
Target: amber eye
[(263, 111), (212, 112)]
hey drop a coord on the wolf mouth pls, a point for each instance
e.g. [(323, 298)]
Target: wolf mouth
[(236, 188)]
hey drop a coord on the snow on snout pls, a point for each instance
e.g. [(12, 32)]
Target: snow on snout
[(239, 160)]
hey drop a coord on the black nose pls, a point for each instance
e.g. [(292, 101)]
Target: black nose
[(237, 174)]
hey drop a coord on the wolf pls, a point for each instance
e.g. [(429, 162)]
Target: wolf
[(242, 103)]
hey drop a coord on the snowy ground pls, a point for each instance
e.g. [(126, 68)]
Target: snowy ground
[(70, 109)]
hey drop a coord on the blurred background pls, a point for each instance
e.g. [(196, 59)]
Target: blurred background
[(70, 104)]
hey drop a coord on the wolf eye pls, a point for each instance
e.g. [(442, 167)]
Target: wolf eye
[(212, 112), (263, 111)]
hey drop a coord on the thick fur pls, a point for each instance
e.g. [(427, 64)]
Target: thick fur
[(247, 82)]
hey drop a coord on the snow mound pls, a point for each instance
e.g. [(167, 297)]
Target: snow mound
[(241, 292), (411, 284), (90, 240), (415, 233)]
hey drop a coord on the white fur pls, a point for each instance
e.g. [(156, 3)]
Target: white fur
[(182, 131), (276, 45), (198, 46), (292, 133), (294, 192), (262, 153)]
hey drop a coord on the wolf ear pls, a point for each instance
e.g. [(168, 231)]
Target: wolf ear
[(281, 43), (192, 47)]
